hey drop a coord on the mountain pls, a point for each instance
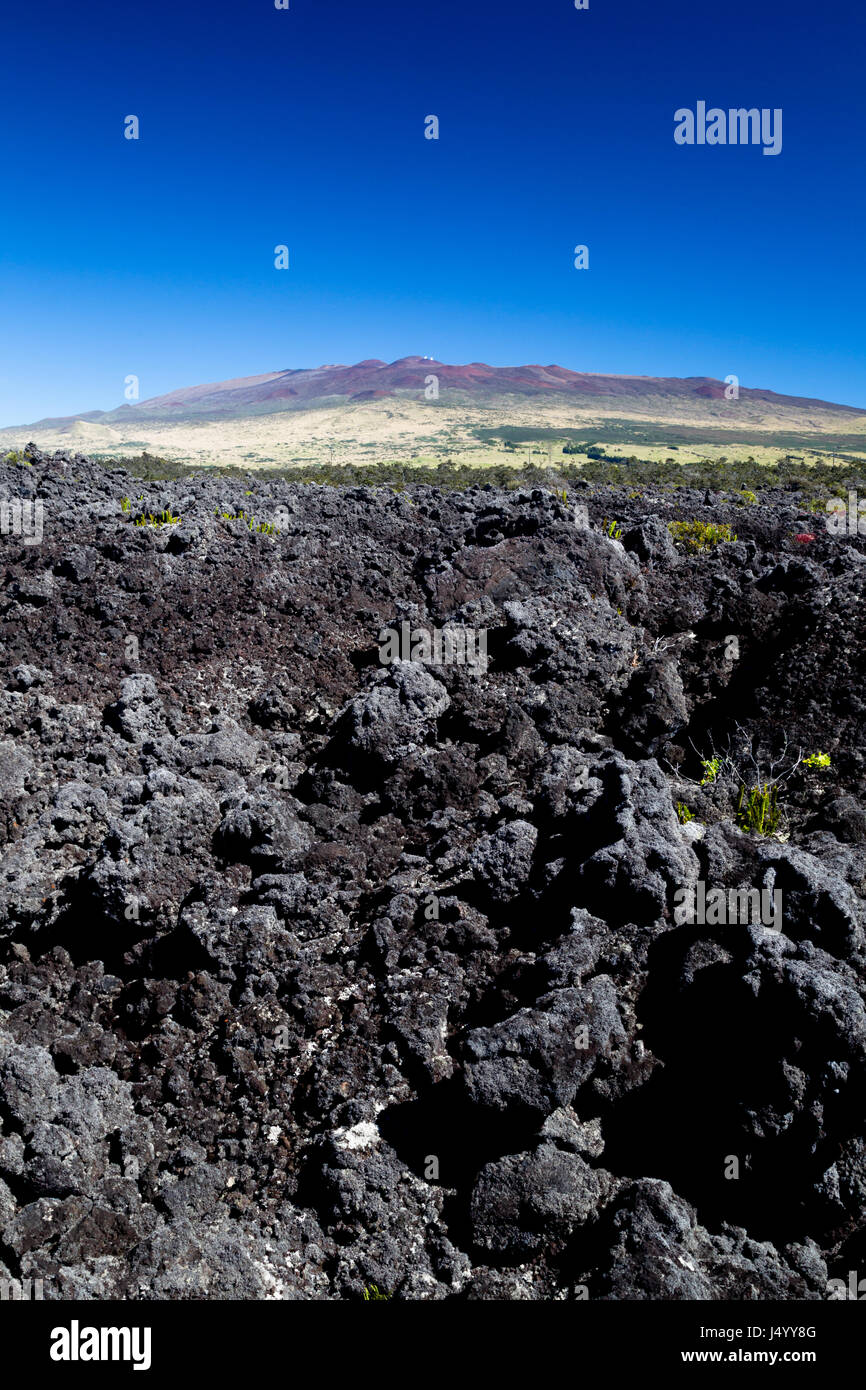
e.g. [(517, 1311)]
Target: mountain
[(373, 379), (420, 408)]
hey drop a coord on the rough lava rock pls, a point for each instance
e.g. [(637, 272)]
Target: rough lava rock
[(318, 972)]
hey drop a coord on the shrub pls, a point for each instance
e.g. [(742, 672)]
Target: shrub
[(711, 768), (758, 809), (817, 760), (699, 536), (758, 806)]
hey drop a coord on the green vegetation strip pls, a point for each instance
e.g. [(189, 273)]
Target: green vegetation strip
[(817, 481)]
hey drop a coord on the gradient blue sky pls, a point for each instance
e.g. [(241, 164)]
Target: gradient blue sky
[(305, 127)]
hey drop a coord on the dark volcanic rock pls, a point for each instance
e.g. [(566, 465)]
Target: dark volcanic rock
[(318, 972)]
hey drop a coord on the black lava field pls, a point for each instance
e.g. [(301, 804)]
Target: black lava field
[(320, 972)]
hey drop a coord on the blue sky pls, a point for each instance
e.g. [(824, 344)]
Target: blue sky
[(306, 127)]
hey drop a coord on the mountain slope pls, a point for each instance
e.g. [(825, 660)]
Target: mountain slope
[(372, 379), (420, 409)]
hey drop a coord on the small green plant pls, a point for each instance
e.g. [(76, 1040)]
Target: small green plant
[(164, 518), (264, 528), (125, 504), (684, 815), (749, 498), (817, 760), (758, 809), (15, 456), (373, 1294), (612, 529), (760, 773), (699, 536), (711, 768)]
